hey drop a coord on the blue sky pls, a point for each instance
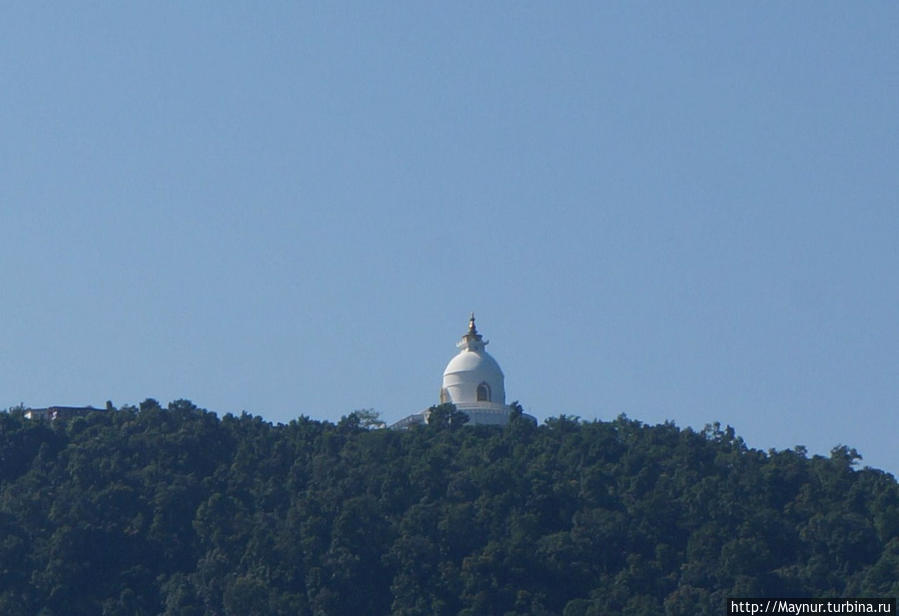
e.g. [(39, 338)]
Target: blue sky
[(679, 212)]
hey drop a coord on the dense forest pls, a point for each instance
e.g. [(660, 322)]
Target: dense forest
[(151, 510)]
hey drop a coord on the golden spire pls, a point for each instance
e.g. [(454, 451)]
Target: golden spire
[(472, 340)]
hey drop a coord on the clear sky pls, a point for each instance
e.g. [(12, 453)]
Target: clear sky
[(679, 211)]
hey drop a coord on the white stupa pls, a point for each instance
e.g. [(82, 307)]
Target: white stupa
[(473, 382)]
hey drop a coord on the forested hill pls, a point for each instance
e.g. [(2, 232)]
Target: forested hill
[(176, 511)]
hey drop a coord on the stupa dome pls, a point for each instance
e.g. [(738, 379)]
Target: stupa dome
[(473, 377), (474, 383)]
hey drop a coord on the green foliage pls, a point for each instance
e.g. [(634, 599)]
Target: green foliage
[(446, 416), (365, 419), (150, 510)]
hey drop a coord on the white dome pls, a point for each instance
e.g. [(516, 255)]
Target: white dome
[(473, 378)]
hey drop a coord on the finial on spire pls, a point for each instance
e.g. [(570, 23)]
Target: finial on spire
[(472, 340)]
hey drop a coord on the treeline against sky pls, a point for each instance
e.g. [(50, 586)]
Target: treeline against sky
[(175, 511)]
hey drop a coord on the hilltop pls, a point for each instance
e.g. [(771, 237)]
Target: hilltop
[(153, 510)]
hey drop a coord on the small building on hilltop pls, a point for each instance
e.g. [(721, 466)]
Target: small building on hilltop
[(473, 382)]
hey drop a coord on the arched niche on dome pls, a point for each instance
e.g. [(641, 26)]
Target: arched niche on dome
[(483, 392)]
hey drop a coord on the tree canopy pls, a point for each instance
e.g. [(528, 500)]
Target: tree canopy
[(152, 510)]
